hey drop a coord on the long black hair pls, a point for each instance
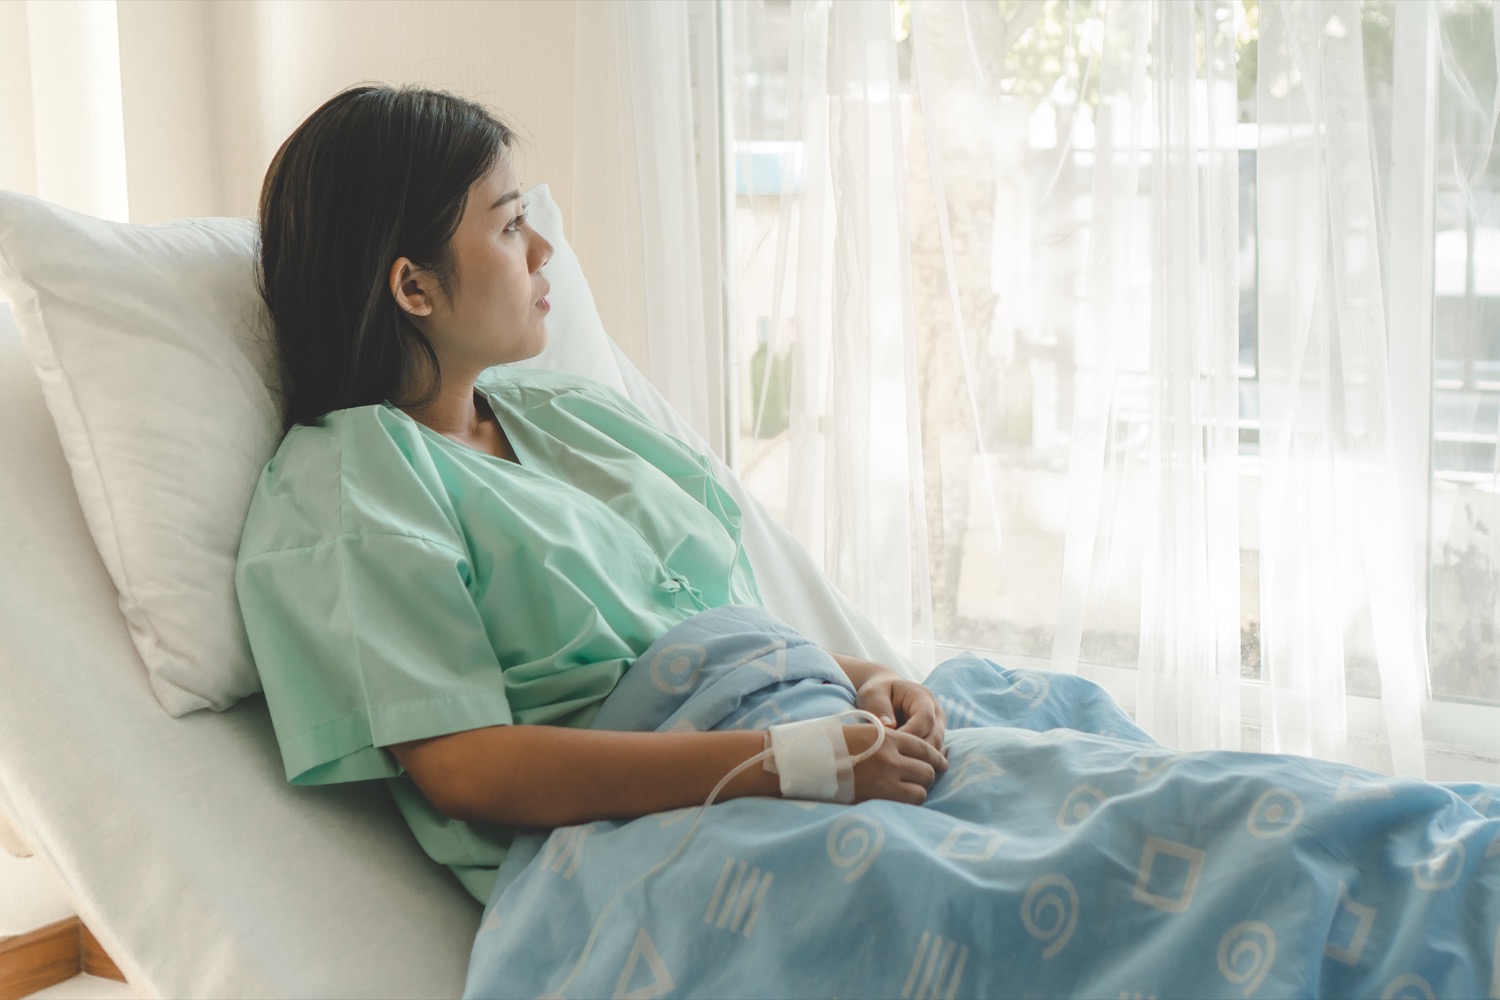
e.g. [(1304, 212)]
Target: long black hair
[(375, 174)]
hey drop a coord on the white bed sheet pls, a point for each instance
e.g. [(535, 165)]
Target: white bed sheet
[(178, 841)]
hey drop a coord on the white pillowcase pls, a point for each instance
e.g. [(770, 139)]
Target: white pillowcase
[(157, 362)]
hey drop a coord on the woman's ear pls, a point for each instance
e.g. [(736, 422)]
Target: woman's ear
[(412, 287)]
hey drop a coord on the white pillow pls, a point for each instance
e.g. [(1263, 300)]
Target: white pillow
[(156, 359)]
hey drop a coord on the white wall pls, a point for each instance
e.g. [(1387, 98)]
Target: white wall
[(212, 87), (277, 60), (30, 896), (208, 89)]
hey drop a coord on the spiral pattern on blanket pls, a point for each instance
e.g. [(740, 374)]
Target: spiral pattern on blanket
[(1245, 954), (853, 842), (1050, 912)]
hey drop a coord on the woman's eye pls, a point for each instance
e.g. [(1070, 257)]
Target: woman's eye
[(520, 220)]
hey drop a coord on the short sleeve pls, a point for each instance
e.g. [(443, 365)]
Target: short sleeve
[(366, 640)]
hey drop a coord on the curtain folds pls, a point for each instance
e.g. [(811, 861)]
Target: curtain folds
[(1330, 482), (60, 107), (648, 191), (1093, 335)]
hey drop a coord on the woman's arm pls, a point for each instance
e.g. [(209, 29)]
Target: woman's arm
[(859, 671), (552, 776)]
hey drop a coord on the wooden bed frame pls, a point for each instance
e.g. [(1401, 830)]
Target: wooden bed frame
[(50, 955)]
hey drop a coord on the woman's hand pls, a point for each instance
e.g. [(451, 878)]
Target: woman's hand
[(902, 770), (904, 705)]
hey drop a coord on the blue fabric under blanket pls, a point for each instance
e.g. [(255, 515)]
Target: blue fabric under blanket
[(1064, 853)]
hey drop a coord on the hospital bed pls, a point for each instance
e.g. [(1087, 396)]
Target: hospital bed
[(178, 841)]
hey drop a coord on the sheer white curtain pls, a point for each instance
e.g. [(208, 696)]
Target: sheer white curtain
[(647, 165), (1155, 341), (1155, 481), (62, 130), (1336, 528), (115, 110)]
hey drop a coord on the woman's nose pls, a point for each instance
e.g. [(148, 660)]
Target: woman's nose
[(541, 251)]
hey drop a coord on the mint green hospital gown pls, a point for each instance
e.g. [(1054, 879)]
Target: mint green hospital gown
[(398, 585)]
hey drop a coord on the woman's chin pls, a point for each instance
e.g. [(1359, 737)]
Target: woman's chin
[(532, 348), (543, 338)]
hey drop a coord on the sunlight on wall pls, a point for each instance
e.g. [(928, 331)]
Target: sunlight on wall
[(277, 60)]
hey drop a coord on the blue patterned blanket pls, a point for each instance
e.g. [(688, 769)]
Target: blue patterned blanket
[(1064, 853)]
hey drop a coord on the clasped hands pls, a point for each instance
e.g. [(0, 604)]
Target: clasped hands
[(912, 757), (903, 705)]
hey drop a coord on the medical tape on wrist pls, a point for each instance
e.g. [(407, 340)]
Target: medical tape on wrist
[(812, 758)]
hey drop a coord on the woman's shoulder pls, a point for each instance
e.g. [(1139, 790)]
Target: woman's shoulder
[(350, 471), (338, 431), (317, 455)]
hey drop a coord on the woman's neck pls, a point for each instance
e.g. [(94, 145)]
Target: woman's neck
[(460, 414), (453, 412)]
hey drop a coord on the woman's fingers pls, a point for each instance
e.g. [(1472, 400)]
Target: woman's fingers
[(920, 772), (922, 715), (912, 794), (939, 725), (878, 702), (924, 750), (904, 768), (919, 751), (919, 724), (926, 726)]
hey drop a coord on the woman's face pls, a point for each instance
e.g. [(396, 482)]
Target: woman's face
[(496, 304)]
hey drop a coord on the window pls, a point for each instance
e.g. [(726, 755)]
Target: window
[(1023, 221)]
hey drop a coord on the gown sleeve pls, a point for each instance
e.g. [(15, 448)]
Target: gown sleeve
[(365, 640)]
